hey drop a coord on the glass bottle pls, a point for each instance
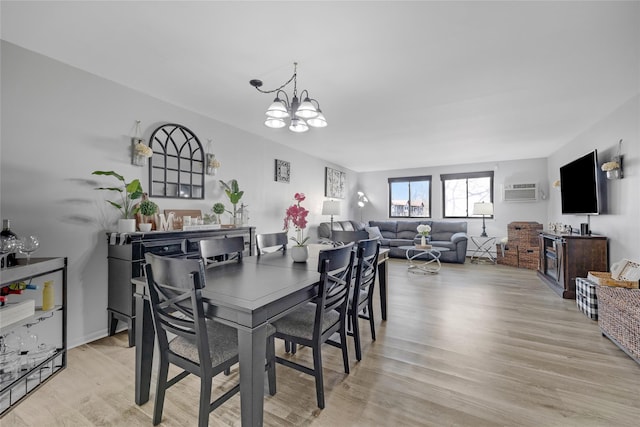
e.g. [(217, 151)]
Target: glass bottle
[(8, 234), (47, 296)]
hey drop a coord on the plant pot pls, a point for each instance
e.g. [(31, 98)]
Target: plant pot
[(299, 253), (126, 225), (145, 227)]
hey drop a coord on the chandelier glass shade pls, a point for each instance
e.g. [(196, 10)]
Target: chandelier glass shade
[(301, 115)]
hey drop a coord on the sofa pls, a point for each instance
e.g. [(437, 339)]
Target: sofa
[(393, 234)]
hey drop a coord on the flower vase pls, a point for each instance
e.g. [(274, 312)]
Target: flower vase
[(299, 253), (423, 240), (127, 225)]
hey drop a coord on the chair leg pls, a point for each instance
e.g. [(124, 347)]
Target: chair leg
[(271, 364), (287, 346), (343, 344), (317, 368), (371, 321), (161, 389), (204, 408), (355, 328)]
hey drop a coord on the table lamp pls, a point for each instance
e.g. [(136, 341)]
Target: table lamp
[(331, 207), (484, 209)]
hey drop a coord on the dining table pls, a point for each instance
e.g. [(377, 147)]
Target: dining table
[(247, 295)]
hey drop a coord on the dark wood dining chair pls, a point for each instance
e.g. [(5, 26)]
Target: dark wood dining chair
[(314, 323), (271, 240), (361, 300), (201, 346), (221, 250)]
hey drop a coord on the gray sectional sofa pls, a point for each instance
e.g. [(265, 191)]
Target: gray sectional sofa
[(448, 234)]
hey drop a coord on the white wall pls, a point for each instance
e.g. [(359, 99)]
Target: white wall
[(621, 222), (59, 124), (374, 184)]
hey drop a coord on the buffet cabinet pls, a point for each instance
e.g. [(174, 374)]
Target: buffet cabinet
[(126, 261), (565, 257), (36, 339)]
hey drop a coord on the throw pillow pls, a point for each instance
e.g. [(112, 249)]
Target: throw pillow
[(374, 232)]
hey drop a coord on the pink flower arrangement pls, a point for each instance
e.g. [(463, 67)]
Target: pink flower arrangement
[(297, 215)]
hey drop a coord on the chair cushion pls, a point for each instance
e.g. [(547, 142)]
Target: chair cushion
[(223, 343), (299, 323)]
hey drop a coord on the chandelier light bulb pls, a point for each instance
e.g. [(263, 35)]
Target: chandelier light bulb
[(277, 109), (306, 110), (274, 123), (298, 125)]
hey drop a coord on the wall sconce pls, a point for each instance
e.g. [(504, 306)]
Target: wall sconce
[(140, 152), (212, 163), (362, 201), (556, 184), (613, 168)]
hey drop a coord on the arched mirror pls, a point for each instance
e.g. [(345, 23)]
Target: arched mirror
[(176, 169)]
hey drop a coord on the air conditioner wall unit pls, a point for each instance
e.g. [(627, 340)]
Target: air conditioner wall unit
[(520, 192)]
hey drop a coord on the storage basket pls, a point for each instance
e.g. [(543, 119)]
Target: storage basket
[(507, 255), (604, 279), (528, 257), (619, 317), (524, 234), (587, 298)]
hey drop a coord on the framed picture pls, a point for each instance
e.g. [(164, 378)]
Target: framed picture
[(334, 183), (283, 171)]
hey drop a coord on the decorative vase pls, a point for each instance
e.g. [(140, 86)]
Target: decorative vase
[(423, 240), (145, 227), (613, 174), (299, 253), (127, 225)]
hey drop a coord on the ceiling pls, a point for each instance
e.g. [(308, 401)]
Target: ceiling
[(402, 84)]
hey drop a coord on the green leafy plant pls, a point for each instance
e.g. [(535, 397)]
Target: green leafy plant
[(218, 209), (233, 192), (129, 193), (148, 208)]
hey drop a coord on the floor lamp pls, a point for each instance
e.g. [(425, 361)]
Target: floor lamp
[(484, 209), (362, 200), (331, 207)]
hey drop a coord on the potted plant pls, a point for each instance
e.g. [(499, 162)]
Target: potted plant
[(232, 190), (148, 209), (129, 193), (297, 215)]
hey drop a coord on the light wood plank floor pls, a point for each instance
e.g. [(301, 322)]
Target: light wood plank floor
[(476, 345)]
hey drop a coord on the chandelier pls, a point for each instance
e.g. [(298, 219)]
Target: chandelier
[(301, 115)]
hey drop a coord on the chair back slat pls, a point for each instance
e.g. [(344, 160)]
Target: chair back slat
[(335, 268), (271, 240), (221, 250), (175, 289), (365, 276)]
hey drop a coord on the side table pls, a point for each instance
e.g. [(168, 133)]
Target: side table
[(482, 250)]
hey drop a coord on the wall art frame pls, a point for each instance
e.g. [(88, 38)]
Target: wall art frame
[(335, 183), (283, 171)]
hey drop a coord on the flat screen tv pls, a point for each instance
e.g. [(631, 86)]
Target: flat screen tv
[(580, 185)]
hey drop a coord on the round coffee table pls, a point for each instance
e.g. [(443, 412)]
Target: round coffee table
[(417, 262)]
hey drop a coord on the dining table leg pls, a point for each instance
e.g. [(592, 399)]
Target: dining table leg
[(252, 346), (145, 341), (382, 281)]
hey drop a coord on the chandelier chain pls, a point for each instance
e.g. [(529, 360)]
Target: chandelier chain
[(293, 78)]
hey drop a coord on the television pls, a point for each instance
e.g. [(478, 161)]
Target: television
[(580, 185)]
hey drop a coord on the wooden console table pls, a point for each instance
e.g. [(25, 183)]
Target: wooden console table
[(126, 260)]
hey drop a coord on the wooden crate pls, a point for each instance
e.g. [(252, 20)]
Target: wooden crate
[(528, 257), (509, 256), (524, 234)]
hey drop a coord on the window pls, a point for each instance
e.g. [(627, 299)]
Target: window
[(410, 197), (461, 190)]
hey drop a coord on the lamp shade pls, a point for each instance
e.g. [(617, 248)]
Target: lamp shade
[(484, 208), (331, 207)]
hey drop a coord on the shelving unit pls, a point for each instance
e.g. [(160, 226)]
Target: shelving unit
[(51, 324)]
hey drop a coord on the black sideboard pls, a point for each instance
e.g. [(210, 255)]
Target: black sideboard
[(126, 260)]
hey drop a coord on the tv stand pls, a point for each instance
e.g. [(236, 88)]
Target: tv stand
[(563, 257)]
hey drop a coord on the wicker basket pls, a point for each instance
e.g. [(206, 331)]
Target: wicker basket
[(619, 317), (604, 279)]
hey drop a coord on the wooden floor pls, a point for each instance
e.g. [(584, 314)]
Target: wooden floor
[(475, 345)]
